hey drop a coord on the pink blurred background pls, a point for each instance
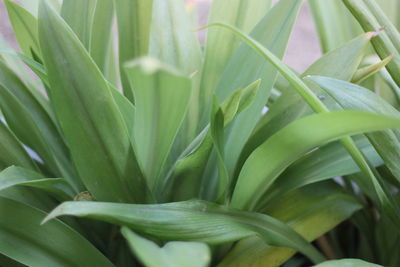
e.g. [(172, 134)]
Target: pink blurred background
[(303, 48)]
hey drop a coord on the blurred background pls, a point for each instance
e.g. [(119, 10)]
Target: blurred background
[(303, 48)]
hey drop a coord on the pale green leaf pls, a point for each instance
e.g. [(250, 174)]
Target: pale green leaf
[(347, 263), (162, 97), (172, 254), (134, 22)]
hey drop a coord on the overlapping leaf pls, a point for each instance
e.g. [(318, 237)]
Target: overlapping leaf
[(86, 110)]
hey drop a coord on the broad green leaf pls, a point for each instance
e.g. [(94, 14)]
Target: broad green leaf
[(347, 263), (382, 43), (311, 211), (101, 42), (12, 151), (55, 244), (33, 125), (13, 176), (293, 141), (25, 28), (368, 71), (221, 45), (326, 162), (173, 41), (193, 220), (272, 31), (84, 105), (172, 254), (134, 20), (335, 25), (79, 16), (351, 96), (162, 97)]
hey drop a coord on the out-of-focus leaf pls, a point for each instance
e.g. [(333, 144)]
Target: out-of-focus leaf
[(173, 41), (13, 176), (33, 125), (193, 220), (79, 16), (172, 254), (25, 28), (272, 31), (347, 263), (162, 96), (134, 20), (55, 244), (86, 110), (335, 25), (311, 211), (366, 72), (221, 45), (295, 140), (385, 22), (101, 42), (382, 43)]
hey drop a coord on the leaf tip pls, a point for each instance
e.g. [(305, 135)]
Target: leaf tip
[(375, 33)]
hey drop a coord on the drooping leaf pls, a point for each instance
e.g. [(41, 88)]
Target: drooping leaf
[(162, 96), (193, 220), (172, 254), (295, 140), (84, 105), (311, 211), (55, 244), (134, 20)]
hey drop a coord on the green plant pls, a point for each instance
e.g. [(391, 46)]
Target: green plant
[(183, 168)]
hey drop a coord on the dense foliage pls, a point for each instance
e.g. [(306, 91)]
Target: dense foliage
[(138, 144)]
